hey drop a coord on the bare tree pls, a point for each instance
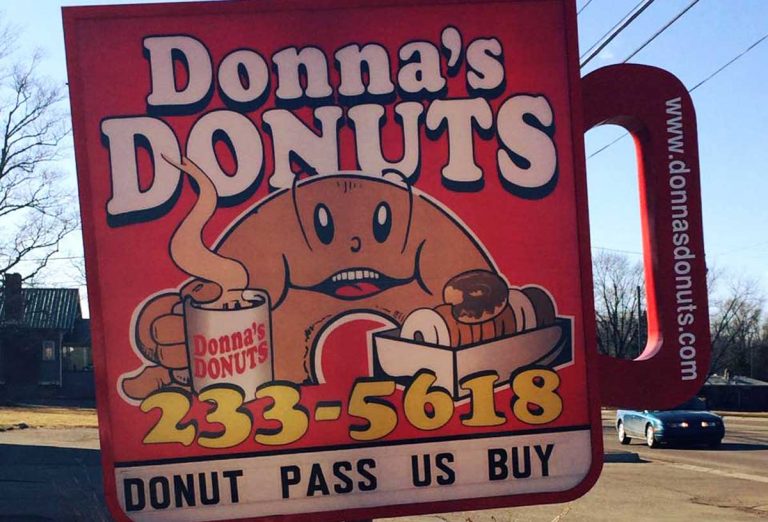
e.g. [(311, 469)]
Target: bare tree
[(619, 295), (77, 271), (36, 210), (760, 355), (736, 322)]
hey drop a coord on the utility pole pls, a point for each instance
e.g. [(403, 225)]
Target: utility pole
[(639, 320)]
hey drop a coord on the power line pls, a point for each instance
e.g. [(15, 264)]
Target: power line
[(62, 258), (664, 28), (601, 149), (742, 248), (742, 53), (643, 46), (702, 82), (606, 249), (59, 283), (614, 32), (583, 7)]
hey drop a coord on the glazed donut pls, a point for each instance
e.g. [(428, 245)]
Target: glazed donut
[(542, 304), (426, 326), (522, 307), (476, 296), (532, 308), (505, 322)]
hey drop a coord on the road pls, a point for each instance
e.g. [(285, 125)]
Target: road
[(743, 453), (55, 475), (640, 483)]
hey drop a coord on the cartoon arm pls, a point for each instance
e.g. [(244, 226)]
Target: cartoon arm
[(479, 305), (159, 336), (444, 248)]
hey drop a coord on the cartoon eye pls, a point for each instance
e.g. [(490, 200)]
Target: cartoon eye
[(382, 222), (323, 224)]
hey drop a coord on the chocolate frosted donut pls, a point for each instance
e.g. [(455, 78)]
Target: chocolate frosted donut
[(476, 296)]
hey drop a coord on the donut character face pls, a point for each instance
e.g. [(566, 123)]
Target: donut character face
[(340, 243), (356, 231)]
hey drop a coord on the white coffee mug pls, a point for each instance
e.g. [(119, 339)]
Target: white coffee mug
[(230, 346)]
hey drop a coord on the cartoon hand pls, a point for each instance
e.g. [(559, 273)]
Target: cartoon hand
[(160, 338)]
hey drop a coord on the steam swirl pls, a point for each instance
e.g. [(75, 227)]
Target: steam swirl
[(188, 250)]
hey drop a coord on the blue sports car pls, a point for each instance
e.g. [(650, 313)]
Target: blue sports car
[(689, 423)]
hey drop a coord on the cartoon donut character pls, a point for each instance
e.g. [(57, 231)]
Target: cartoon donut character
[(330, 244)]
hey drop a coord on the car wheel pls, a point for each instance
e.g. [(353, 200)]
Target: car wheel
[(650, 437), (623, 439)]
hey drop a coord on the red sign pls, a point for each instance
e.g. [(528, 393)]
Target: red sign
[(338, 254)]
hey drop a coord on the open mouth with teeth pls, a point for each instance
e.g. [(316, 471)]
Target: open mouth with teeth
[(356, 283)]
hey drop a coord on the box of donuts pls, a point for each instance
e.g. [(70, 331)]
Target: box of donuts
[(482, 327), (338, 255)]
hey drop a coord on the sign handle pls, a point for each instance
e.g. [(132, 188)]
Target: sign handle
[(656, 109)]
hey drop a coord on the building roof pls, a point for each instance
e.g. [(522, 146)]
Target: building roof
[(48, 308), (738, 380)]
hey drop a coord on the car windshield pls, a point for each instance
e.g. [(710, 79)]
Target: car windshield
[(695, 404)]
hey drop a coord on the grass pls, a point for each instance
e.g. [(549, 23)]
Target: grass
[(47, 417)]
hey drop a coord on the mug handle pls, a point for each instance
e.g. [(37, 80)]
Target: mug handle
[(656, 109)]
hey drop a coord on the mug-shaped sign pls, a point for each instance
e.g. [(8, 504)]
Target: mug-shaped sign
[(338, 254)]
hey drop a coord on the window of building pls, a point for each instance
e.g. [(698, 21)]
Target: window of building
[(77, 359), (49, 351)]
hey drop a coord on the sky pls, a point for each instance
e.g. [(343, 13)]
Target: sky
[(732, 117), (731, 107)]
